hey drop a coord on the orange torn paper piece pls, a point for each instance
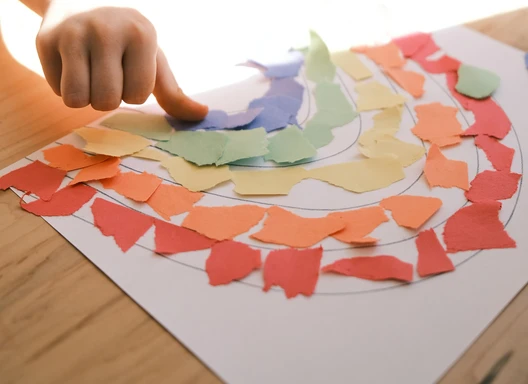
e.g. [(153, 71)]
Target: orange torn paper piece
[(373, 268), (106, 169), (438, 124), (387, 55), (125, 225), (412, 82), (284, 227), (493, 185), (68, 158), (111, 142), (171, 200), (443, 172), (432, 257), (193, 177), (499, 155), (135, 186), (150, 153), (171, 239), (476, 227), (64, 202), (358, 224), (374, 95), (223, 223), (229, 261), (36, 177), (295, 270), (411, 211)]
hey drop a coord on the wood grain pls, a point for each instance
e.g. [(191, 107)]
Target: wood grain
[(63, 321)]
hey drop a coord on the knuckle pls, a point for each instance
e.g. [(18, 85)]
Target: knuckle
[(75, 100), (136, 98), (142, 32), (106, 103), (44, 42)]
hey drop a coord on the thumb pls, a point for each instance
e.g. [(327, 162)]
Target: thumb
[(170, 96)]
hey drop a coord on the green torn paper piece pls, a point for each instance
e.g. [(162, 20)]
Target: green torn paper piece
[(476, 82), (153, 127), (319, 67), (289, 146), (244, 145), (198, 147)]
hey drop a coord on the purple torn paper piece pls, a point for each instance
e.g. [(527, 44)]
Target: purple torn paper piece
[(243, 118), (287, 64), (215, 118), (271, 118), (526, 59), (286, 103), (285, 87)]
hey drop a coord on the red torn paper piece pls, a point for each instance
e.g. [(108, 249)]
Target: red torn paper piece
[(68, 158), (493, 185), (125, 225), (432, 257), (425, 51), (443, 172), (171, 200), (295, 270), (412, 43), (442, 65), (387, 55), (490, 119), (412, 82), (359, 223), (411, 211), (64, 202), (465, 101), (373, 268), (499, 155), (230, 260), (37, 178), (135, 186), (476, 227), (171, 239), (106, 169)]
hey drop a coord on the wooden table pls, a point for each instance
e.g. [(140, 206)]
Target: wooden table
[(63, 321)]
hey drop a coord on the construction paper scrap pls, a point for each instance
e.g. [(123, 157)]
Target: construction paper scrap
[(171, 239), (371, 136), (442, 65), (229, 261), (490, 119), (64, 202), (330, 97), (150, 153), (411, 81), (105, 170), (318, 130), (171, 200), (374, 95), (359, 223), (412, 43), (287, 64), (215, 119), (288, 104), (36, 177), (476, 82), (405, 153), (389, 118), (349, 62), (432, 257), (68, 158), (135, 186), (295, 270), (466, 102), (361, 176), (244, 145), (154, 127), (270, 118), (493, 185), (285, 87), (386, 56), (278, 181), (289, 146), (425, 51), (201, 148), (125, 225), (223, 223), (111, 142), (526, 60), (375, 268), (476, 227), (411, 211), (437, 124), (319, 67), (243, 118), (443, 172), (195, 178), (499, 155), (286, 228)]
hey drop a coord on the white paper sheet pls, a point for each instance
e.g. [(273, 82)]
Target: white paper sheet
[(350, 330)]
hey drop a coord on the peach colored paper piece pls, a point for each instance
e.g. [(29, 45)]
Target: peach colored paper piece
[(443, 172), (358, 224), (432, 257), (375, 268), (171, 200), (499, 155), (223, 223), (106, 169), (286, 228), (412, 82), (230, 261), (438, 124), (136, 186), (411, 211), (387, 55), (68, 158), (111, 142), (493, 185)]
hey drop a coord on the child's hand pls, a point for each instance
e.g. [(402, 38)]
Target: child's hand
[(106, 55)]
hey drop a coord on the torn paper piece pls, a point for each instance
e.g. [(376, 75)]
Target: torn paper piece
[(411, 211), (319, 67), (386, 56), (432, 257), (289, 146), (373, 268), (154, 127), (171, 239), (349, 62), (374, 95), (493, 185), (499, 155), (230, 261), (412, 43), (201, 148), (150, 153), (443, 172), (410, 81), (244, 145), (359, 223), (105, 170), (136, 186), (64, 202), (386, 145), (442, 65), (68, 158), (195, 178), (171, 200), (111, 142), (287, 64), (476, 82), (278, 181), (438, 124)]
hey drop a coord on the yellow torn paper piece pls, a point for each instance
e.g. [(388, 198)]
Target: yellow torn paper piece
[(278, 181), (150, 153), (111, 142), (193, 177), (361, 176), (154, 127), (405, 153), (386, 123), (374, 95), (349, 62)]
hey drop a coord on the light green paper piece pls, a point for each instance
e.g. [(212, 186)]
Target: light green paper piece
[(476, 82), (289, 146), (244, 145), (153, 127), (319, 67), (198, 147)]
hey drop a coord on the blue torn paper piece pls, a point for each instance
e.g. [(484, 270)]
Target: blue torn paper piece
[(271, 118), (243, 118), (285, 65), (526, 59), (215, 118), (286, 103), (285, 87)]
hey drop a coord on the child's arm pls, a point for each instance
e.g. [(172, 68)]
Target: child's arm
[(100, 56)]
